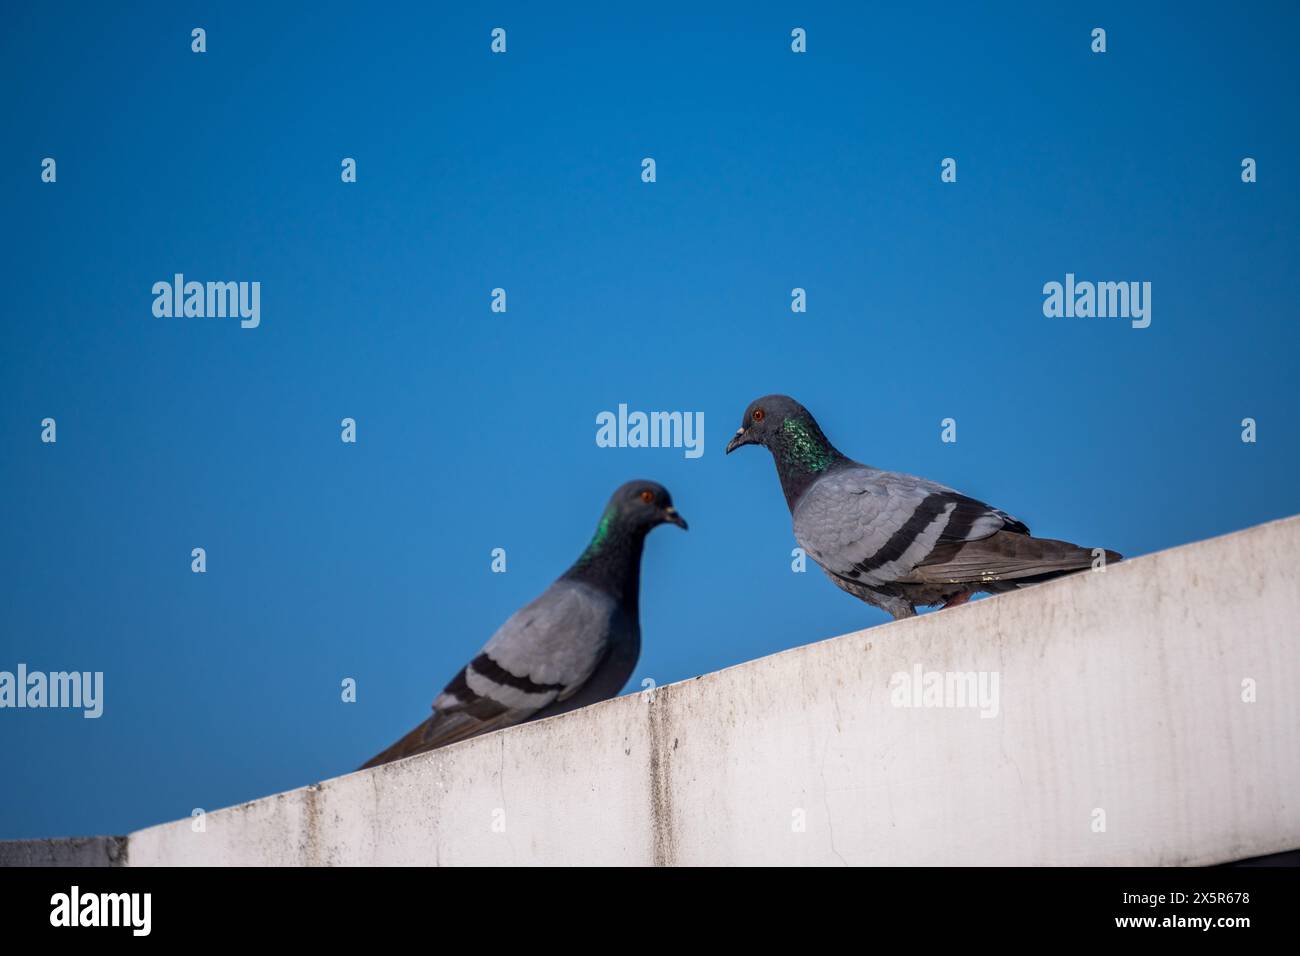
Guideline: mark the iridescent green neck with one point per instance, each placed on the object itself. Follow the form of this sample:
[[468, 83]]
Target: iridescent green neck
[[612, 561], [801, 453], [601, 537], [804, 445]]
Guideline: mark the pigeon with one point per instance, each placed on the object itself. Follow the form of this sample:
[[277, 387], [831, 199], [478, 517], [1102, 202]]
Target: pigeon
[[574, 645], [893, 540]]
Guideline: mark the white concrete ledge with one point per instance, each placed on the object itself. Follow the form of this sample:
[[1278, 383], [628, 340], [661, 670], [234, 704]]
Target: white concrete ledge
[[1120, 700]]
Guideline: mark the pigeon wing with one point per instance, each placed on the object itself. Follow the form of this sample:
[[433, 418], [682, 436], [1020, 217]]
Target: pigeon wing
[[545, 652], [874, 527]]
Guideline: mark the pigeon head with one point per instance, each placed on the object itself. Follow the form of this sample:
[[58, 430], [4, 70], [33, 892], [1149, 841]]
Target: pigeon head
[[771, 421], [788, 430], [638, 506], [612, 561]]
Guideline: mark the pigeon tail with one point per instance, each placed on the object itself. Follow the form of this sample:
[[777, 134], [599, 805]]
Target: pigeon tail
[[437, 731], [1004, 561]]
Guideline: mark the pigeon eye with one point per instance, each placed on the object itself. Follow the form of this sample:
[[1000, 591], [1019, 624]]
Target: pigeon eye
[[757, 416], [647, 496]]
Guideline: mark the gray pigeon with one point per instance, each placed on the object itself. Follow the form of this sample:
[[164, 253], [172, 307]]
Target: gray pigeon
[[894, 540], [574, 645]]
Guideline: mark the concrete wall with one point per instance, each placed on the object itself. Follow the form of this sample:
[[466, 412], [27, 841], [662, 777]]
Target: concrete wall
[[1119, 693], [70, 851]]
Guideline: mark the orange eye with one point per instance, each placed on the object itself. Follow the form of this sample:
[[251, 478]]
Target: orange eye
[[647, 496], [757, 416]]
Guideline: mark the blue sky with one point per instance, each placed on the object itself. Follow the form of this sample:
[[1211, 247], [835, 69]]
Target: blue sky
[[477, 430]]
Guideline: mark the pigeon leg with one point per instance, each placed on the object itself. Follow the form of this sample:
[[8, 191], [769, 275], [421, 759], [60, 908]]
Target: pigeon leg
[[895, 607], [958, 600]]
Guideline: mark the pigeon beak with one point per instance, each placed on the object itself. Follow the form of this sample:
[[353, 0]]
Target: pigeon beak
[[737, 440], [672, 517]]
